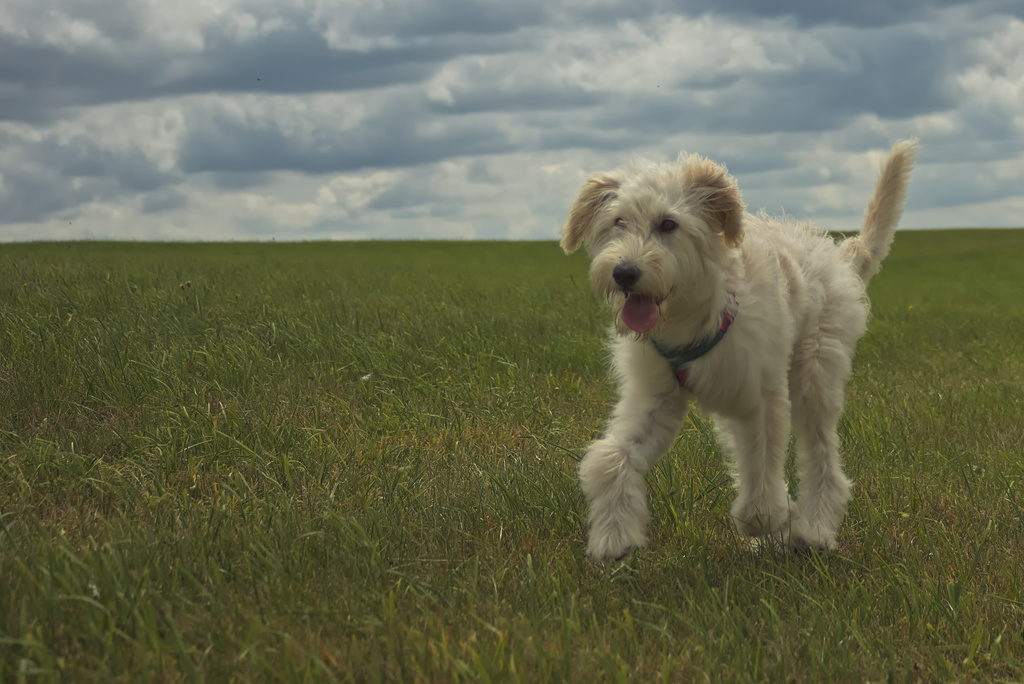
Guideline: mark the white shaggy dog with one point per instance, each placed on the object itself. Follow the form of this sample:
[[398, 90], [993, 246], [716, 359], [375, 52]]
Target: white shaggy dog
[[754, 318]]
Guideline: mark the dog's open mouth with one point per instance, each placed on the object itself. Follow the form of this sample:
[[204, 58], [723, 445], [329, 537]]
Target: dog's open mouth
[[640, 313]]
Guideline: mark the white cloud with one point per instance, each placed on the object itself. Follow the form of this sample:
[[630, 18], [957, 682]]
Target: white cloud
[[304, 119], [995, 81]]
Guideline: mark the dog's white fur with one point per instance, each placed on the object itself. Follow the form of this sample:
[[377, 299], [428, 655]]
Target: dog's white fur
[[783, 363]]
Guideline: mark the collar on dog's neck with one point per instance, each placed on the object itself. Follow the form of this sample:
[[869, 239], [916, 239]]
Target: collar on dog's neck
[[681, 357]]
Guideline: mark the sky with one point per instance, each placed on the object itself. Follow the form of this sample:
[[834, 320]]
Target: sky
[[481, 119]]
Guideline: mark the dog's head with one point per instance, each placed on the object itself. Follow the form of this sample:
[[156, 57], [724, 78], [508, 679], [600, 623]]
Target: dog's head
[[656, 234]]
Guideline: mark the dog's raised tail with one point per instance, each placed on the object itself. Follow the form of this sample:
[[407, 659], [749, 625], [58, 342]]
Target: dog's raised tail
[[867, 249]]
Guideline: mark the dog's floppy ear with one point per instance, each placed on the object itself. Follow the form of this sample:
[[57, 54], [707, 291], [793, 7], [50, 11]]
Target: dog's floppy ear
[[595, 193], [717, 198]]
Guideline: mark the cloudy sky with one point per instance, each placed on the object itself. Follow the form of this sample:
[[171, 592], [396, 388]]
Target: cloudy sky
[[352, 119]]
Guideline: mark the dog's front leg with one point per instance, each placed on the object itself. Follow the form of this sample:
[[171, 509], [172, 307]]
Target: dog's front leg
[[612, 471], [762, 505]]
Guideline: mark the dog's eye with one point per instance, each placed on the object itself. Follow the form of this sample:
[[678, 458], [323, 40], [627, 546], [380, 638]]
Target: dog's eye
[[619, 223], [667, 226]]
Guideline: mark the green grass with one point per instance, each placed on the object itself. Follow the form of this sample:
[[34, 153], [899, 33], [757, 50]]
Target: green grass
[[308, 462]]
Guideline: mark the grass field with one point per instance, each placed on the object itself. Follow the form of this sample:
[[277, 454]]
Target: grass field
[[309, 462]]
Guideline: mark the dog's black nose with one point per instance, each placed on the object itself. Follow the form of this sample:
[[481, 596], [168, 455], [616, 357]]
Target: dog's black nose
[[626, 275]]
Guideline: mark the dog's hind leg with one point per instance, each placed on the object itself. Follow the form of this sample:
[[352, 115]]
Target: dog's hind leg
[[612, 471], [821, 366]]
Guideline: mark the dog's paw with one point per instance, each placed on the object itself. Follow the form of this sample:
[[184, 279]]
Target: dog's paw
[[795, 534], [761, 518], [820, 519], [807, 536], [618, 525], [614, 544], [615, 491]]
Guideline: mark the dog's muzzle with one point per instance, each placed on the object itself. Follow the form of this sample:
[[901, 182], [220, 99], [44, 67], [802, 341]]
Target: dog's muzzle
[[626, 276]]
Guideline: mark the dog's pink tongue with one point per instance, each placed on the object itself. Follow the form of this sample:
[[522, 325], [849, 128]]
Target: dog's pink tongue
[[640, 313]]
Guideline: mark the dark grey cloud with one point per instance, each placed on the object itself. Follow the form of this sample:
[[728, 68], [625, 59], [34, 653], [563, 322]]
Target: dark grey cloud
[[947, 188], [478, 171], [862, 13], [894, 73], [579, 132], [747, 162], [261, 95], [434, 210], [38, 81], [41, 80], [42, 178], [238, 180], [415, 19], [163, 201], [82, 157], [297, 59], [403, 197], [120, 20], [973, 150], [487, 96], [225, 144], [29, 195]]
